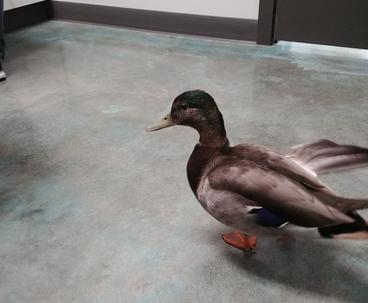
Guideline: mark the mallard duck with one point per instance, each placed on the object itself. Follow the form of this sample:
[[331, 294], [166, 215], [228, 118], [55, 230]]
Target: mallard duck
[[249, 184]]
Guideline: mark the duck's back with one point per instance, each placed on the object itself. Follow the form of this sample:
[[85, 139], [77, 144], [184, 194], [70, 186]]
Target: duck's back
[[252, 152], [204, 159]]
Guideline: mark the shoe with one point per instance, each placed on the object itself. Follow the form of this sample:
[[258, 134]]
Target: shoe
[[2, 73]]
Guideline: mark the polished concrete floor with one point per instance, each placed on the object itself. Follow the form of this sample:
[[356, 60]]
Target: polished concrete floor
[[93, 209]]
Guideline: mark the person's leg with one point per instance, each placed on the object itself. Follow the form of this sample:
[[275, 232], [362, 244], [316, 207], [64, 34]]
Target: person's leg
[[2, 41]]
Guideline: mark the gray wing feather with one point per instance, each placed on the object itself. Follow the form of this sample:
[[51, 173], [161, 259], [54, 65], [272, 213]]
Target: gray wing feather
[[324, 156], [277, 193], [280, 163]]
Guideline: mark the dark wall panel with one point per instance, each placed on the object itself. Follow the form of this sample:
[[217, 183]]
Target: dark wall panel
[[266, 22], [332, 22]]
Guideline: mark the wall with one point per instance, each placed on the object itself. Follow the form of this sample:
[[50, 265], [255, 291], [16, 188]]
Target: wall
[[244, 9], [9, 4]]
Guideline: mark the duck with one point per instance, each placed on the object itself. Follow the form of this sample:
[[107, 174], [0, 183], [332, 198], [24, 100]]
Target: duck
[[249, 185]]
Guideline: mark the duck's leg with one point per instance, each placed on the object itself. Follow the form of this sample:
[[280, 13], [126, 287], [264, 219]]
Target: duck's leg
[[239, 240], [286, 240]]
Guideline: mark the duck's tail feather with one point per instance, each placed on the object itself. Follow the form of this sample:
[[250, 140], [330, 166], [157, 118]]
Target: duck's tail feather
[[325, 156], [355, 230], [345, 231]]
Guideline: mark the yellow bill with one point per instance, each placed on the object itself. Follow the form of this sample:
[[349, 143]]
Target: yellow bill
[[165, 122]]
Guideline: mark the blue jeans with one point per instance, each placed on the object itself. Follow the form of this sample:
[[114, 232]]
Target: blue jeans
[[2, 41]]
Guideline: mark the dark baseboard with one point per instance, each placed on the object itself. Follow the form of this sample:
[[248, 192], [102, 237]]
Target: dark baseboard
[[220, 27], [27, 15]]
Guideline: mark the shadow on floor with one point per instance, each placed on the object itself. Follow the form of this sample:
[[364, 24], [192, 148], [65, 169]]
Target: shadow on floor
[[23, 161], [312, 266]]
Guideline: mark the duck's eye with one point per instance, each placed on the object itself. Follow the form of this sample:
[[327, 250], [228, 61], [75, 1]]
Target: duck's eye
[[183, 106]]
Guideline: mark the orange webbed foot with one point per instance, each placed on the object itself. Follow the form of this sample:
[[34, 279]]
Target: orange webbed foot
[[240, 241]]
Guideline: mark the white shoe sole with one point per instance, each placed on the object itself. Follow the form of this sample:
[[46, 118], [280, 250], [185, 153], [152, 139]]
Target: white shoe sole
[[2, 75]]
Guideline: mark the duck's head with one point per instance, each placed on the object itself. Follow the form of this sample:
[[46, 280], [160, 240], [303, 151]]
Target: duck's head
[[196, 109], [193, 108]]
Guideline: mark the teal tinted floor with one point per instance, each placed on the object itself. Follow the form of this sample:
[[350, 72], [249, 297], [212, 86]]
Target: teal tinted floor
[[93, 209]]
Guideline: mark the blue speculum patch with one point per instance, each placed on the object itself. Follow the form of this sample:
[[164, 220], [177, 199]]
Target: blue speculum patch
[[267, 218]]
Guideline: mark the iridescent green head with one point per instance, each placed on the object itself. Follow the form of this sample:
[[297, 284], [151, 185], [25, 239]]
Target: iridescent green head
[[196, 109]]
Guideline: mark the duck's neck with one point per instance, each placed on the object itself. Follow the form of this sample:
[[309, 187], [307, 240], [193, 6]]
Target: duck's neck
[[213, 136]]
